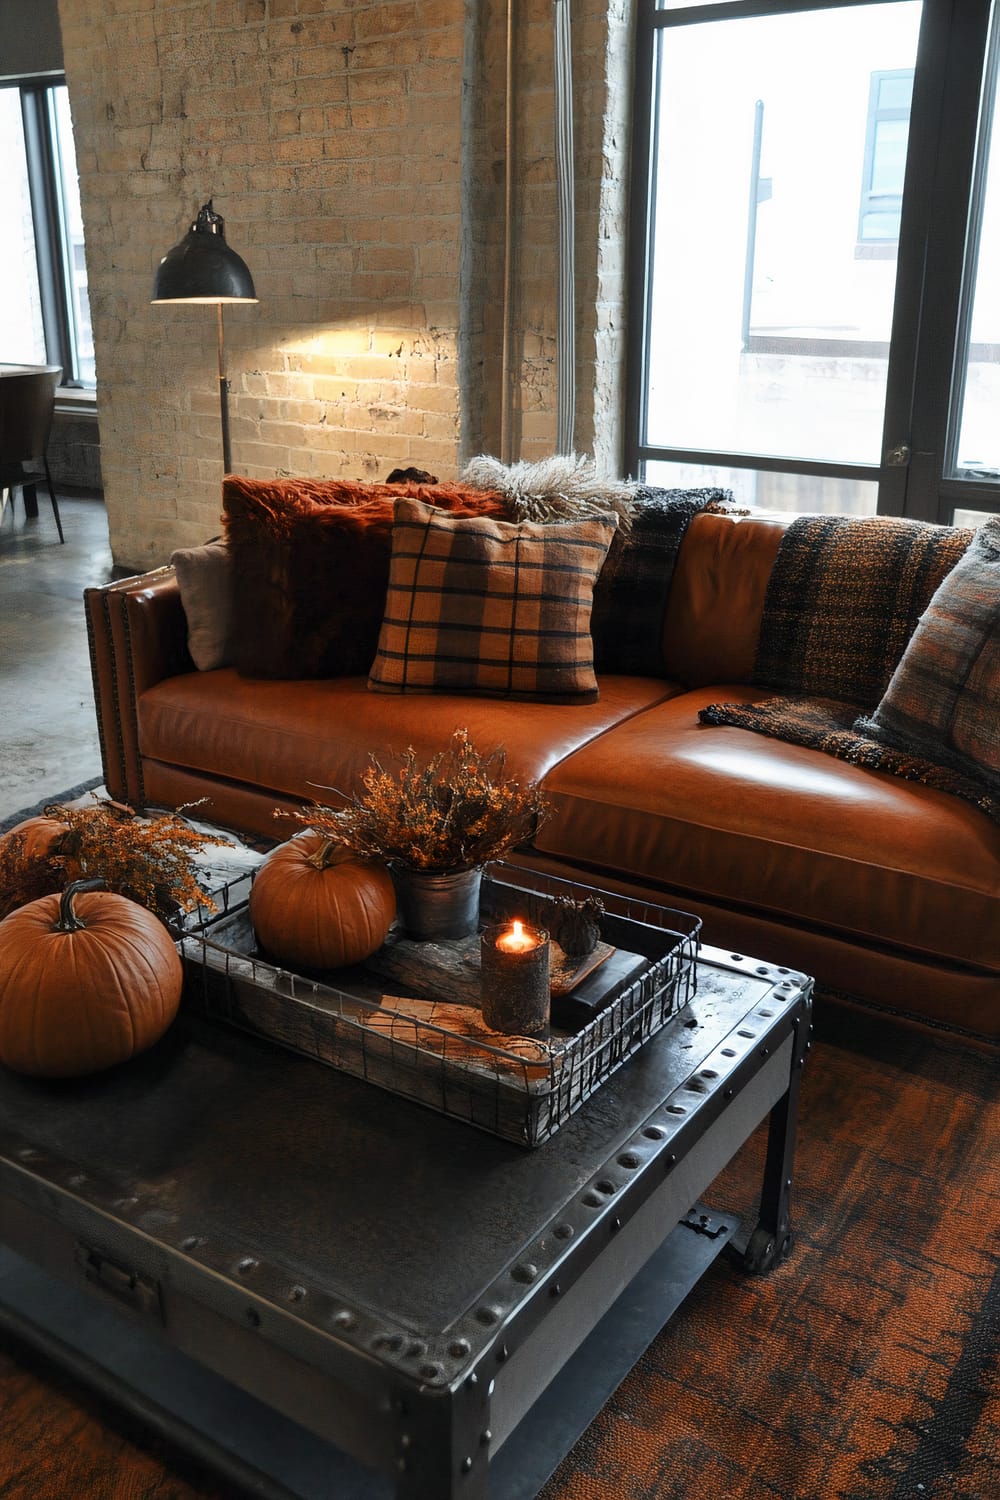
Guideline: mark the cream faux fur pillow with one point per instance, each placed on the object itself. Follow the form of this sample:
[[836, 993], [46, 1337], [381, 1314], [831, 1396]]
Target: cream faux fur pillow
[[566, 487]]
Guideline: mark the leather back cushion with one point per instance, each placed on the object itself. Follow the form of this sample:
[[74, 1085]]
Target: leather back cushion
[[311, 567], [712, 622]]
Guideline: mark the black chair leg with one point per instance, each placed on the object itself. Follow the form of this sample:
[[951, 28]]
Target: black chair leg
[[52, 497]]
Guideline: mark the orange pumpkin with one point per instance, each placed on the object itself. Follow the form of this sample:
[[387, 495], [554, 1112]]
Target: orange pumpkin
[[86, 979], [315, 905], [41, 836], [29, 867]]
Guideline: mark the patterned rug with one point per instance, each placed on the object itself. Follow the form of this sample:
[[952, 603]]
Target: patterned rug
[[866, 1368]]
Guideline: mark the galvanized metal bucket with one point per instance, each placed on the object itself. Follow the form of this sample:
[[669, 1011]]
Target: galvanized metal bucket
[[435, 907]]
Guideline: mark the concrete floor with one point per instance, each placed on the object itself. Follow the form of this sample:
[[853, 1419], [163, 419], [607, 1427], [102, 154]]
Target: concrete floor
[[48, 731]]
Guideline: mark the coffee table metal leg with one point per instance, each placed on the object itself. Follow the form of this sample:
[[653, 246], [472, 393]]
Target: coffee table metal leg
[[770, 1241], [444, 1443]]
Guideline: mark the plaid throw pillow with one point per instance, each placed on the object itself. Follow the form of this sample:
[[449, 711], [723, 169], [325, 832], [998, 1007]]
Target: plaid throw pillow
[[942, 701], [489, 607]]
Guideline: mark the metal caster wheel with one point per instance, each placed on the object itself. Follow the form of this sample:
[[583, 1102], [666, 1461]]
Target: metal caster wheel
[[765, 1251]]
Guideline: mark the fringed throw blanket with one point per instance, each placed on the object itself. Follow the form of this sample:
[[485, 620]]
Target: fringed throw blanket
[[843, 601]]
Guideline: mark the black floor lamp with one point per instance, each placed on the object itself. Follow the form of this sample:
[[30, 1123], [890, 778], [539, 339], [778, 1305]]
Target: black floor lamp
[[202, 268]]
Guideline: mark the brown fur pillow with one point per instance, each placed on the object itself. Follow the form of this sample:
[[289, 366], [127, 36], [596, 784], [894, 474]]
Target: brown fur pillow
[[311, 567]]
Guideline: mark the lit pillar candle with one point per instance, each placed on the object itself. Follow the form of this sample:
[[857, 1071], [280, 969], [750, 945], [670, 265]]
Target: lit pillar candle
[[514, 959]]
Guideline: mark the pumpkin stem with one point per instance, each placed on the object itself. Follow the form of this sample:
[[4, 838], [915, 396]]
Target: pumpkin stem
[[321, 858], [68, 919]]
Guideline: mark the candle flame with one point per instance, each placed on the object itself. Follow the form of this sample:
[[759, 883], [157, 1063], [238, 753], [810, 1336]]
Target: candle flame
[[516, 940]]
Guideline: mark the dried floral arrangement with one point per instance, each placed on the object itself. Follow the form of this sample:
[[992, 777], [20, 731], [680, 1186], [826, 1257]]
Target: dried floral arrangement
[[24, 877], [148, 859], [450, 813]]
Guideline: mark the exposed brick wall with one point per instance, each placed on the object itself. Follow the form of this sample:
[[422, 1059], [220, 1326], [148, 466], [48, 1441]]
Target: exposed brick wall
[[357, 155]]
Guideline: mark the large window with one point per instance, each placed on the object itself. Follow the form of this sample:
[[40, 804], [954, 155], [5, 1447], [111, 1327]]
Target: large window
[[45, 314], [809, 324]]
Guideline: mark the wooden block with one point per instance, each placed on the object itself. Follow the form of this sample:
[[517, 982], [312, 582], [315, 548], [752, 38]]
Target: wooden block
[[457, 1033]]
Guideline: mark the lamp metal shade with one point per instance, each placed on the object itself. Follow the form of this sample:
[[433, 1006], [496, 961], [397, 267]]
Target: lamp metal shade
[[202, 267]]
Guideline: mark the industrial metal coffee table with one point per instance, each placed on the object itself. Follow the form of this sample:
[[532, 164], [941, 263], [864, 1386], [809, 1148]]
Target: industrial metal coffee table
[[322, 1289]]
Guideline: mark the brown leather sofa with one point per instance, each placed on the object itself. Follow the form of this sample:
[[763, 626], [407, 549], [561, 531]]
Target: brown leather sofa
[[885, 890]]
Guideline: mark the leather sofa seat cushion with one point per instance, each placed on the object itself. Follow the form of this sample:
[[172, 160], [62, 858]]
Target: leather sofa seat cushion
[[304, 737], [803, 838]]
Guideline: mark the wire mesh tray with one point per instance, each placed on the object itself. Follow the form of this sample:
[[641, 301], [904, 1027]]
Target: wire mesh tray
[[519, 1089]]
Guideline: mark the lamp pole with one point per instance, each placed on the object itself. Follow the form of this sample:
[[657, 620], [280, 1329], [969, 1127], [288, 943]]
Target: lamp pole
[[227, 456]]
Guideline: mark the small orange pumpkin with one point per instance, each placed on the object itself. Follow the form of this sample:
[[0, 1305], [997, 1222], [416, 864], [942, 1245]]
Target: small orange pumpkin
[[40, 836], [315, 905], [87, 979]]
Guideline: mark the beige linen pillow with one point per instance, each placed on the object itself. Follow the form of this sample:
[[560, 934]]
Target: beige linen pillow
[[205, 580]]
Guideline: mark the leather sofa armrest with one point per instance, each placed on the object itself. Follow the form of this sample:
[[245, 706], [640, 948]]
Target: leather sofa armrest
[[137, 631]]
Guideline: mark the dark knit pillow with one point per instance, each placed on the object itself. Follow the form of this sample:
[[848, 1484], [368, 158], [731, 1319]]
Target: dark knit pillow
[[310, 568], [630, 600], [490, 607]]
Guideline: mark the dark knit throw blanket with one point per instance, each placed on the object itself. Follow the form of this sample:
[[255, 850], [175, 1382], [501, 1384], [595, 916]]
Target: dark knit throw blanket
[[630, 598], [843, 600]]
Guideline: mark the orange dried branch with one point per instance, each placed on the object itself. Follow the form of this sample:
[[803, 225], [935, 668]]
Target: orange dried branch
[[452, 812]]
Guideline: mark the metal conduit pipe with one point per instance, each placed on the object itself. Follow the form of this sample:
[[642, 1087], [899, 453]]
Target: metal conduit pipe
[[566, 201], [508, 244]]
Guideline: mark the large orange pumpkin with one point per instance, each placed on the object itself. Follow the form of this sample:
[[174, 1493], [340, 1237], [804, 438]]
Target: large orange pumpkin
[[86, 979], [315, 905]]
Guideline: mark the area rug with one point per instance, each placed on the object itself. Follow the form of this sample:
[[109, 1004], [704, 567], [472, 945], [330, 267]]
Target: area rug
[[865, 1368]]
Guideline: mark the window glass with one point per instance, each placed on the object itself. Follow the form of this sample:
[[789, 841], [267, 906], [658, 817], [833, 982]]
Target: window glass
[[74, 261], [972, 518], [22, 338], [799, 493], [885, 156], [977, 451], [768, 334]]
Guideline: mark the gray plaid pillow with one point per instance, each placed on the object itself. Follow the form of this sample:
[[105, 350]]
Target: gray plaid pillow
[[943, 700]]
